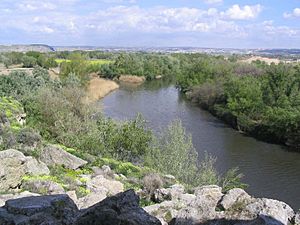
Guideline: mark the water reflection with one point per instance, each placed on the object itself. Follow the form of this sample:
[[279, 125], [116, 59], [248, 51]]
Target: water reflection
[[269, 169]]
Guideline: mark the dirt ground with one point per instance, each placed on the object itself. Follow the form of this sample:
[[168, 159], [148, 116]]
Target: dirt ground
[[264, 59]]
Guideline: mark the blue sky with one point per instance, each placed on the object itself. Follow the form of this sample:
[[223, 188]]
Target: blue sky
[[199, 23]]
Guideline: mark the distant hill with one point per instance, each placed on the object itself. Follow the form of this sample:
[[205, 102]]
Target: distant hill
[[26, 48]]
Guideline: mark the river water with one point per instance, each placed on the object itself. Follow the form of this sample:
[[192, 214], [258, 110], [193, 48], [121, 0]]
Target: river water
[[270, 170]]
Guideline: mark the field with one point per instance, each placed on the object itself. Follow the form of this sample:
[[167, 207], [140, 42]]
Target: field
[[90, 62]]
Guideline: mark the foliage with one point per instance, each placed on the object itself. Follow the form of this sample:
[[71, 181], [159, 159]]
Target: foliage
[[76, 65], [173, 153], [260, 99], [232, 179], [127, 141]]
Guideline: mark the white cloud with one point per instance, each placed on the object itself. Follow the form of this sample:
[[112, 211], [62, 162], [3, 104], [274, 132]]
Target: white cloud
[[213, 1], [246, 12], [294, 13]]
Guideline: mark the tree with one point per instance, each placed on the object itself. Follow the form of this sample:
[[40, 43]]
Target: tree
[[29, 61], [77, 66]]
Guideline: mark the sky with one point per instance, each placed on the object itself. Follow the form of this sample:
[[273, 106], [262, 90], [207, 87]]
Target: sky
[[156, 23]]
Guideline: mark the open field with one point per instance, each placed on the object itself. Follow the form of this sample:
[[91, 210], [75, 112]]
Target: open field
[[90, 62]]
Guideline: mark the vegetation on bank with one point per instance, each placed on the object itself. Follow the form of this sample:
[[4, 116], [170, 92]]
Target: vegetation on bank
[[258, 99], [56, 113]]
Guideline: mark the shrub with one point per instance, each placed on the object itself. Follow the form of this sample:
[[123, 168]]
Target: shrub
[[28, 136], [152, 182], [174, 153]]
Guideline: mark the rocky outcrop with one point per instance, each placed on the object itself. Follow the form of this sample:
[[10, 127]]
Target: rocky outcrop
[[54, 155], [43, 187], [99, 183], [208, 205], [122, 209], [14, 165], [5, 197], [51, 209]]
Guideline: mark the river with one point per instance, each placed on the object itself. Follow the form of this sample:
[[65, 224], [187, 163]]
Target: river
[[270, 170]]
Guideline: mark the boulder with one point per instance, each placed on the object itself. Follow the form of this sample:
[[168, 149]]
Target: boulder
[[52, 209], [104, 170], [54, 155], [233, 196], [297, 218], [34, 167], [200, 208], [98, 183], [120, 209], [14, 165], [91, 199], [165, 211], [212, 192], [43, 187], [272, 208], [4, 198]]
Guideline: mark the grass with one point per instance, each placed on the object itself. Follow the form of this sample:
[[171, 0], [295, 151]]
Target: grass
[[90, 62]]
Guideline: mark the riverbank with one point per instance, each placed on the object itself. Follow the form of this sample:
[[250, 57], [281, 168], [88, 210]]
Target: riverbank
[[96, 193], [231, 148], [99, 88], [131, 79]]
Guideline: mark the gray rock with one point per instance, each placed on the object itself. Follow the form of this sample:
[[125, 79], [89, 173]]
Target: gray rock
[[297, 218], [43, 187], [14, 165], [199, 208], [120, 209], [54, 209], [272, 208], [53, 155], [4, 198], [98, 183], [91, 199], [169, 179], [233, 196], [34, 167], [213, 192]]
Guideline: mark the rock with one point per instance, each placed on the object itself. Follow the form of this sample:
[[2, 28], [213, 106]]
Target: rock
[[297, 218], [176, 191], [43, 187], [233, 196], [164, 211], [72, 195], [260, 220], [273, 208], [99, 183], [161, 195], [52, 209], [32, 166], [4, 198], [169, 179], [11, 169], [91, 199], [201, 207], [213, 192], [14, 165], [105, 171], [53, 155], [120, 209]]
